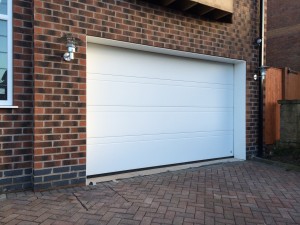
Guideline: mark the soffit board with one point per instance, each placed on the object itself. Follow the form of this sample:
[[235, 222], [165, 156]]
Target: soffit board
[[225, 5]]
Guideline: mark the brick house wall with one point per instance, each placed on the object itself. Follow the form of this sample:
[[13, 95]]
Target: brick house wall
[[44, 140], [283, 31], [16, 125]]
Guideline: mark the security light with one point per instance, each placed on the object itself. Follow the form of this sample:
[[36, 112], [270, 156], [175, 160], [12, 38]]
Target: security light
[[68, 56], [258, 41], [71, 43], [262, 72]]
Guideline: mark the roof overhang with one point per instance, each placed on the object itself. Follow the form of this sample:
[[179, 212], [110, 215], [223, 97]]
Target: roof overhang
[[217, 10]]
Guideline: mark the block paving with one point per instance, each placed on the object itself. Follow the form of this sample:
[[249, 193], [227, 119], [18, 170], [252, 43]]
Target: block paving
[[232, 193]]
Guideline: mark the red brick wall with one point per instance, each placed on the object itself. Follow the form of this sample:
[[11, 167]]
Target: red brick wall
[[59, 98], [283, 45], [59, 87], [16, 124]]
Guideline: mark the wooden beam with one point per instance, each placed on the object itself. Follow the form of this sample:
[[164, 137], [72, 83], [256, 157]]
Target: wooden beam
[[167, 2], [191, 5], [183, 5], [218, 14], [202, 10]]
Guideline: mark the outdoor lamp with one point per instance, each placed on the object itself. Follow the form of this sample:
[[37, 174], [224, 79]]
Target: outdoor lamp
[[262, 72], [71, 43], [71, 49], [258, 41]]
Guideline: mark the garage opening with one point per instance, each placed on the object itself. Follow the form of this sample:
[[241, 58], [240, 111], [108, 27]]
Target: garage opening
[[147, 109]]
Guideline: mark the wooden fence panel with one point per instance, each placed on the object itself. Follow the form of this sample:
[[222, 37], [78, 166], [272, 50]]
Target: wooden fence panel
[[291, 87], [279, 85], [273, 93]]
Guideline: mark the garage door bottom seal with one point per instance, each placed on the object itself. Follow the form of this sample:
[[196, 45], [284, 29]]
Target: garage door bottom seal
[[155, 170]]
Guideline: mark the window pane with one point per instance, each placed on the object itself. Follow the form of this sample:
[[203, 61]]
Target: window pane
[[3, 7], [3, 44], [3, 51], [3, 28], [3, 60], [3, 36], [3, 84]]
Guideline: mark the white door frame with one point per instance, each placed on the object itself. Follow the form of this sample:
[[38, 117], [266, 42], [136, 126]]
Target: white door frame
[[239, 111]]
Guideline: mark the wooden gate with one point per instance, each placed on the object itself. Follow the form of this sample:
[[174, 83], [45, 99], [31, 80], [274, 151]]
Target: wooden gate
[[280, 84]]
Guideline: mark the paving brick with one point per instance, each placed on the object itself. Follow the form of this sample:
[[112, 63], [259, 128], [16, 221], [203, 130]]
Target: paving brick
[[114, 221], [43, 217], [13, 222], [146, 220], [28, 223]]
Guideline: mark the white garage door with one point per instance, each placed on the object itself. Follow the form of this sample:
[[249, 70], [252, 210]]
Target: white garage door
[[148, 109]]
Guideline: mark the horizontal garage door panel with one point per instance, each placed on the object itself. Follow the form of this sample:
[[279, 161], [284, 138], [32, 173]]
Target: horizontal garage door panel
[[120, 123], [147, 109], [154, 92], [114, 59], [149, 153]]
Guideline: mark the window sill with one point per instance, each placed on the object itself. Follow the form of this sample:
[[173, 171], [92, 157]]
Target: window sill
[[8, 107]]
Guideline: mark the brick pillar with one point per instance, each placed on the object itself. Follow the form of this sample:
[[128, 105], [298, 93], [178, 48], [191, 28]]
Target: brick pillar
[[59, 100]]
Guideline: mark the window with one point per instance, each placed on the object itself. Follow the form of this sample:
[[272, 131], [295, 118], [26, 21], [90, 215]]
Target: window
[[5, 53]]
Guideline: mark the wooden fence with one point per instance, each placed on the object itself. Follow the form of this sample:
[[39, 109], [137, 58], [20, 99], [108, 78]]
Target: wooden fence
[[280, 84]]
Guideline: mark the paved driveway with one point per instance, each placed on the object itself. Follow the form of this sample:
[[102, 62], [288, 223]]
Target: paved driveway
[[232, 193]]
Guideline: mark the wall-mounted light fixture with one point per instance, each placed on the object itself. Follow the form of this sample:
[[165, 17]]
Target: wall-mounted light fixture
[[71, 43], [262, 72], [71, 49], [258, 42]]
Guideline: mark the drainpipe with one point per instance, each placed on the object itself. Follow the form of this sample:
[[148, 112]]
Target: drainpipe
[[262, 72], [262, 32]]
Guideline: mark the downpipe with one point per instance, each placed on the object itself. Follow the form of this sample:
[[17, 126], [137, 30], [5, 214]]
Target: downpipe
[[262, 73]]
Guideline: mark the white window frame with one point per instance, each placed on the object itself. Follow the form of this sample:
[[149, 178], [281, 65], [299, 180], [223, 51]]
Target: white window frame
[[9, 102]]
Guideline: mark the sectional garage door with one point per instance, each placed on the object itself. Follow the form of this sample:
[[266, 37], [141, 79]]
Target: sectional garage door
[[147, 109]]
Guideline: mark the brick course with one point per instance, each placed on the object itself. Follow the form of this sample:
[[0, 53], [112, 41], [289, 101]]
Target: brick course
[[58, 113]]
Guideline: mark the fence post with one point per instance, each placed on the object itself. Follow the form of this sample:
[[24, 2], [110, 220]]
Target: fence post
[[284, 82]]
